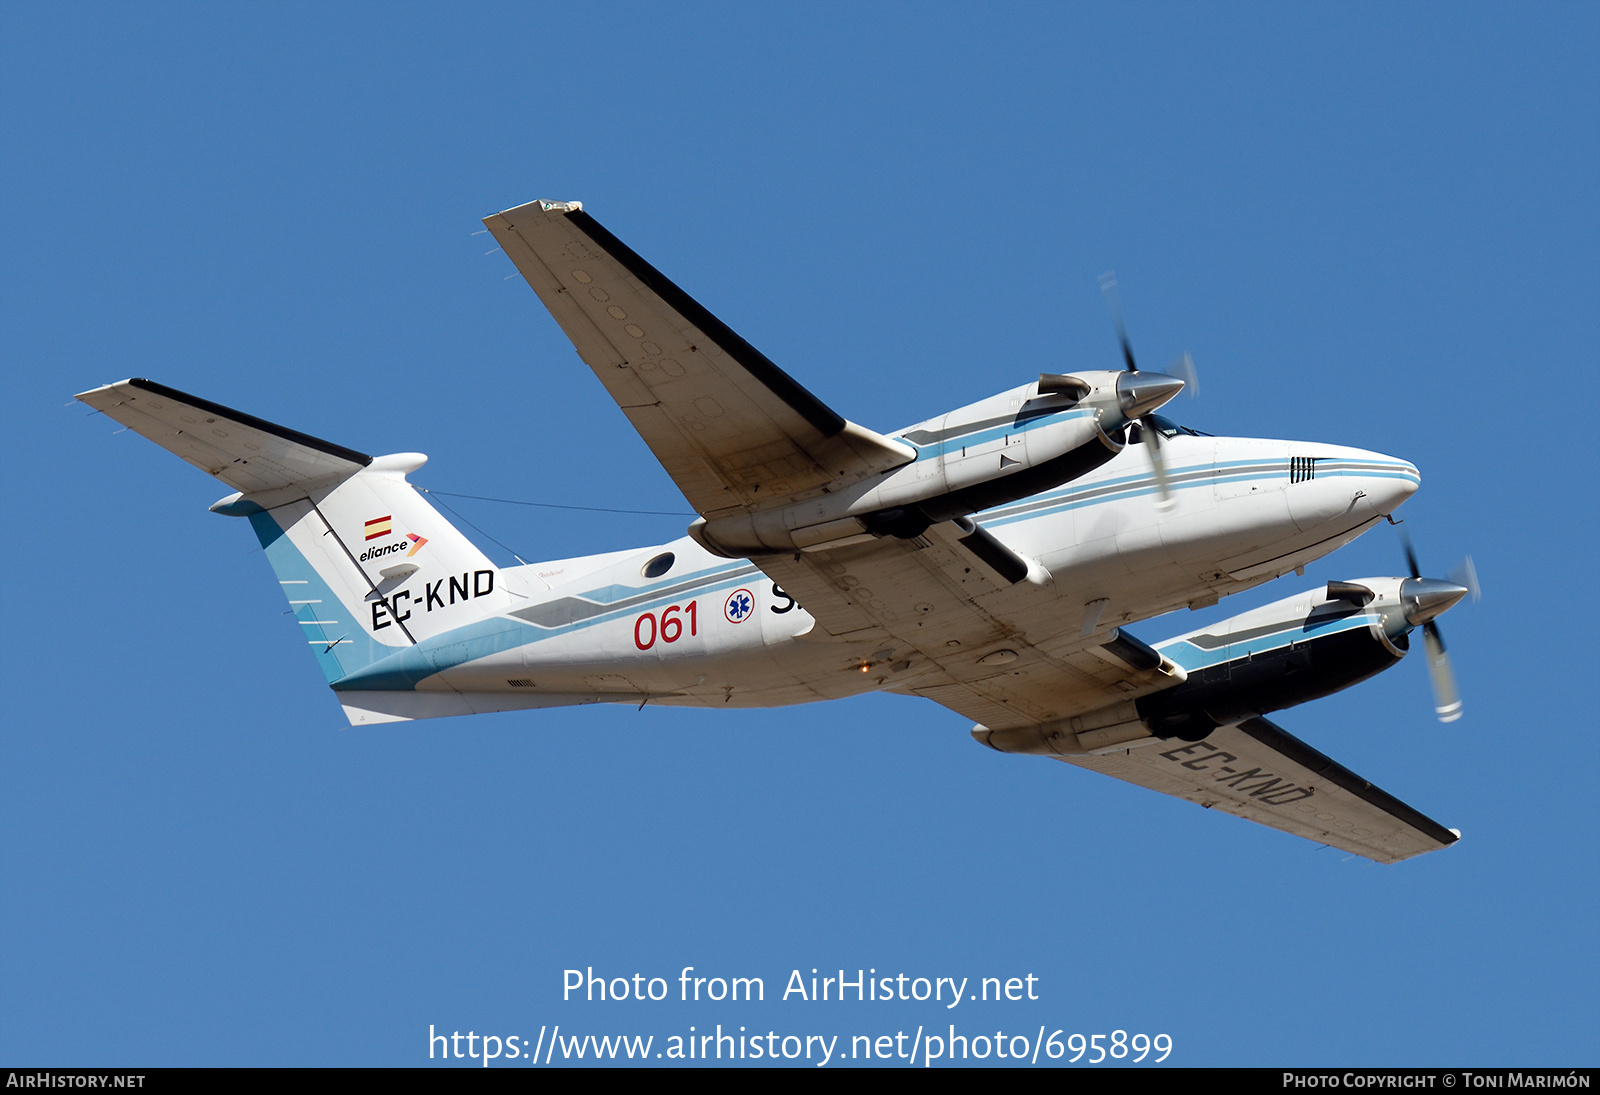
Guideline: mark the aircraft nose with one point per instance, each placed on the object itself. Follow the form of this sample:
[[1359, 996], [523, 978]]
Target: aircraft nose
[[1391, 481], [1385, 481], [1425, 598], [1336, 484]]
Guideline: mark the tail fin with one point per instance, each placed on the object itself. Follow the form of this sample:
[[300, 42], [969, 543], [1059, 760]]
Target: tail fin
[[367, 564]]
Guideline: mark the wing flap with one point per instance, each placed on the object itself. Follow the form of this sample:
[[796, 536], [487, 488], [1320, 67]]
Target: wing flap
[[1260, 772], [247, 453], [1002, 650]]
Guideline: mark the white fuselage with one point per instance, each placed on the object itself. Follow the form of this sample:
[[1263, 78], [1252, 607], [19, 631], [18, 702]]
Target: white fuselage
[[1243, 512]]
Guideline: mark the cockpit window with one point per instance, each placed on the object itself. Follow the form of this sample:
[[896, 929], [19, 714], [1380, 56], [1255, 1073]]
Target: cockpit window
[[1169, 429]]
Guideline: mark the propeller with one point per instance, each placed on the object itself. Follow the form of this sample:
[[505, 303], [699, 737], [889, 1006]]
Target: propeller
[[1464, 574], [1142, 393], [1422, 600], [1183, 368]]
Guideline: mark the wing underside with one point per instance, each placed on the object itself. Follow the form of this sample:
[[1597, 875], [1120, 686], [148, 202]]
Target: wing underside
[[731, 428], [1260, 772], [248, 453]]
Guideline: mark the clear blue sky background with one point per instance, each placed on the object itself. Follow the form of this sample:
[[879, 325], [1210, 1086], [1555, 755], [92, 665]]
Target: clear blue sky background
[[1371, 224]]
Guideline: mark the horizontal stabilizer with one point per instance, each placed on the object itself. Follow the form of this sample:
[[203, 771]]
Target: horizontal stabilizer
[[243, 451]]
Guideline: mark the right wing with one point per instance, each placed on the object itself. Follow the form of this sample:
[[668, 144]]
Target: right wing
[[947, 613], [732, 429]]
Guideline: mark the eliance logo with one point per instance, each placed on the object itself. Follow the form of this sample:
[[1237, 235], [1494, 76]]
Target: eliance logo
[[381, 526], [381, 550]]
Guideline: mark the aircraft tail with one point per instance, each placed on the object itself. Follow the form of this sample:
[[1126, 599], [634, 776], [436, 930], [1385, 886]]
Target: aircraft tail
[[368, 566]]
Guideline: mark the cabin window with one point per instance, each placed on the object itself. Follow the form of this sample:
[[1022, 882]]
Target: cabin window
[[658, 566]]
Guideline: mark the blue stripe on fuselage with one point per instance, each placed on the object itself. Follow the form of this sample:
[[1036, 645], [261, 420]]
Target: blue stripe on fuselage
[[403, 669]]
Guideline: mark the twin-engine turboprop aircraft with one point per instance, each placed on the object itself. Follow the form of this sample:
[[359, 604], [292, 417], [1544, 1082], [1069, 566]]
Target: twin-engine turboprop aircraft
[[985, 559]]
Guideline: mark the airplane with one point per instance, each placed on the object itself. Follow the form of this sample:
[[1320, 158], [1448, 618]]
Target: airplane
[[987, 559]]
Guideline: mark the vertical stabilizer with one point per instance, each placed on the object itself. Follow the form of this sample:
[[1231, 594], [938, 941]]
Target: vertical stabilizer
[[369, 566]]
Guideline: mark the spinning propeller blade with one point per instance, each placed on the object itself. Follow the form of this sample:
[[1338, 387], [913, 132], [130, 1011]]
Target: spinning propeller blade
[[1108, 288], [1424, 599], [1446, 697], [1142, 393], [1183, 368], [1465, 574], [1158, 463]]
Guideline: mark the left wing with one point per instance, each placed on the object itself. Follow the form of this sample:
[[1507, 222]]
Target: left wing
[[1260, 772]]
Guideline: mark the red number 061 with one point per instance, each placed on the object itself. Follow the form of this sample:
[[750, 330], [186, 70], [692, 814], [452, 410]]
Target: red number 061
[[669, 629]]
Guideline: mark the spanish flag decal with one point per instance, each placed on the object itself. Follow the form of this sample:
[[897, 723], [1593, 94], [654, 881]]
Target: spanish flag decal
[[378, 526]]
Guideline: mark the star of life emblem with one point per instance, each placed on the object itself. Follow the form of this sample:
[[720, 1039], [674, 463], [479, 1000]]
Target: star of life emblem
[[739, 605]]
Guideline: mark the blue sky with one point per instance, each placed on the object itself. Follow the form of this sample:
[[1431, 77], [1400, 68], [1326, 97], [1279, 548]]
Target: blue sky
[[1372, 225]]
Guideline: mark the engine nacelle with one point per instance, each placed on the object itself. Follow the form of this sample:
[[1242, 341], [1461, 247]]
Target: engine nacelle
[[1282, 654], [1000, 449]]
